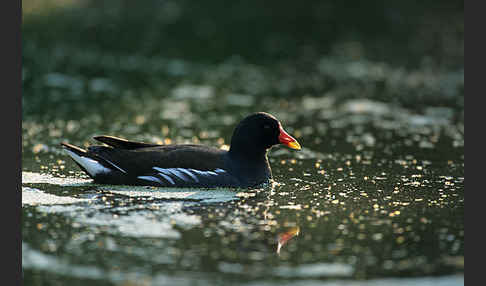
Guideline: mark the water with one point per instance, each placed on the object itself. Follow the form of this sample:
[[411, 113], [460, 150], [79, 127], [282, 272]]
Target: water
[[375, 196]]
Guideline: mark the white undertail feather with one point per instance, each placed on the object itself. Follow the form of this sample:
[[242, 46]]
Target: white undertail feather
[[92, 167]]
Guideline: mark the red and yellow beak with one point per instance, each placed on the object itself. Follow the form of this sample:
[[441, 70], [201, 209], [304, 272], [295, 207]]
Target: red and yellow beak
[[288, 140]]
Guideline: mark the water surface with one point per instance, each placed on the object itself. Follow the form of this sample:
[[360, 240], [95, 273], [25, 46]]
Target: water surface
[[375, 197]]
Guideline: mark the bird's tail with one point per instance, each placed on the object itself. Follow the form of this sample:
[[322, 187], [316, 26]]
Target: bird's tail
[[90, 163]]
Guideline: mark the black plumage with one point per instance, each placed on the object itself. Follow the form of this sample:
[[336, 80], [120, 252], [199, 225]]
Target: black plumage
[[187, 165]]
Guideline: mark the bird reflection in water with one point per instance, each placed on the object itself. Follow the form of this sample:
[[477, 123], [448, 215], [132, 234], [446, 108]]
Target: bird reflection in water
[[284, 237]]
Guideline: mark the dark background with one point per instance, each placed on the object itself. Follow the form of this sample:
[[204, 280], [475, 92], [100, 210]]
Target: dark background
[[140, 46], [401, 32]]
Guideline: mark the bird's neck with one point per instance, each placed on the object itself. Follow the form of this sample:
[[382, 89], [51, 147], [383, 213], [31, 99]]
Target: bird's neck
[[253, 167], [245, 154]]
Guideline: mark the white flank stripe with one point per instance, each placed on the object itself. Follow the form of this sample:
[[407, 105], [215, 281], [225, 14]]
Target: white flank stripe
[[167, 178], [92, 167], [186, 174], [205, 173], [178, 174], [150, 178], [201, 173], [165, 171], [189, 173]]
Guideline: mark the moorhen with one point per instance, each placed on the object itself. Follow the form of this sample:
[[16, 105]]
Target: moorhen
[[245, 165]]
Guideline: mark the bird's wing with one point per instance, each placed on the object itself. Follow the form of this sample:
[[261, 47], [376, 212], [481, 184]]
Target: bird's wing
[[123, 143]]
